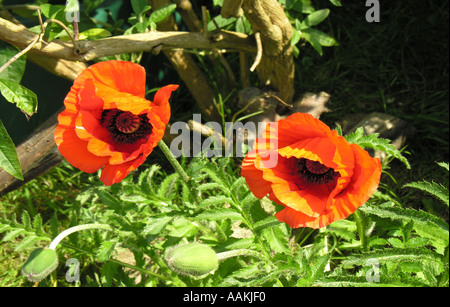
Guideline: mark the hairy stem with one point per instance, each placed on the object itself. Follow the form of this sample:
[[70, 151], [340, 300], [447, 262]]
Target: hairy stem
[[178, 168]]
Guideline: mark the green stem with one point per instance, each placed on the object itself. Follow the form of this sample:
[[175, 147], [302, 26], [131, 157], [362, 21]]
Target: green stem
[[176, 165], [360, 225], [240, 252], [71, 230], [124, 264]]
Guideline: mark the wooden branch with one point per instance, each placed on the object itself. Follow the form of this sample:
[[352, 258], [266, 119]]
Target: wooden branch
[[276, 68], [38, 148], [89, 50], [185, 65]]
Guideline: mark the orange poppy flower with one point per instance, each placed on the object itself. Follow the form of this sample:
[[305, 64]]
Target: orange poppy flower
[[318, 177], [107, 121]]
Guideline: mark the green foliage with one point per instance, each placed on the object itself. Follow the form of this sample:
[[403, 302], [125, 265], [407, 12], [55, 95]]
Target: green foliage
[[8, 155], [374, 142], [389, 242], [15, 93], [304, 17]]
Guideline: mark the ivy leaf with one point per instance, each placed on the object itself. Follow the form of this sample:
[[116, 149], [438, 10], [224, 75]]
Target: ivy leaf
[[25, 99], [8, 155]]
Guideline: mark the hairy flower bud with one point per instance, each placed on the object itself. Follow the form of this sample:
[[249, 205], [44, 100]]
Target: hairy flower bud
[[192, 259], [40, 264]]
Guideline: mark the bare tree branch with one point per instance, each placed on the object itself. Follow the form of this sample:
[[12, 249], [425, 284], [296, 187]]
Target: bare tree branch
[[90, 50]]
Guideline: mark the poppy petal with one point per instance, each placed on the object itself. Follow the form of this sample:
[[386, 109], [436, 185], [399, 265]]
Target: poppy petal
[[121, 76], [75, 150]]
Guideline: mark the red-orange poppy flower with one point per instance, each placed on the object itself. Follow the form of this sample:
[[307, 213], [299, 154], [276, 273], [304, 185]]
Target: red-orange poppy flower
[[315, 174], [107, 121]]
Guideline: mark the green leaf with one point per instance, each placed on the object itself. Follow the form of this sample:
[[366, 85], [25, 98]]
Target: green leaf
[[51, 11], [433, 188], [312, 40], [336, 2], [220, 214], [26, 221], [314, 18], [105, 250], [276, 238], [162, 13], [37, 225], [156, 225], [8, 155], [183, 228], [94, 33], [443, 164], [25, 99], [393, 255], [214, 200], [376, 143], [320, 37], [139, 6], [15, 70]]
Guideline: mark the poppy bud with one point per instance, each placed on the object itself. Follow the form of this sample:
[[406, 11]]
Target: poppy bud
[[40, 264], [192, 259]]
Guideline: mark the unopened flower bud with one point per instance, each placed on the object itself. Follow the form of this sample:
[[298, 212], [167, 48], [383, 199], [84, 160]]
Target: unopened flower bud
[[192, 259], [40, 264]]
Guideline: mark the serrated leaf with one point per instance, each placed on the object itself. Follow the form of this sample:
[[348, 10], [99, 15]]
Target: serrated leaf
[[393, 255], [182, 227], [376, 143], [443, 164], [37, 225], [433, 188], [167, 186], [8, 155], [105, 250], [15, 93], [26, 242], [155, 225], [277, 239], [220, 214], [387, 210], [215, 200], [13, 234], [265, 223], [108, 199], [26, 221]]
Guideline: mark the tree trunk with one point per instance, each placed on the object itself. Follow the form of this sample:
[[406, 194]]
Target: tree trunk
[[276, 68]]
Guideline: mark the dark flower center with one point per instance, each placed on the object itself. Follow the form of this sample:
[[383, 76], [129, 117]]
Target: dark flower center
[[127, 122], [314, 171], [125, 127]]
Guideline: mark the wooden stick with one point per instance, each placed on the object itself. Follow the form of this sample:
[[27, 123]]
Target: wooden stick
[[90, 50]]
